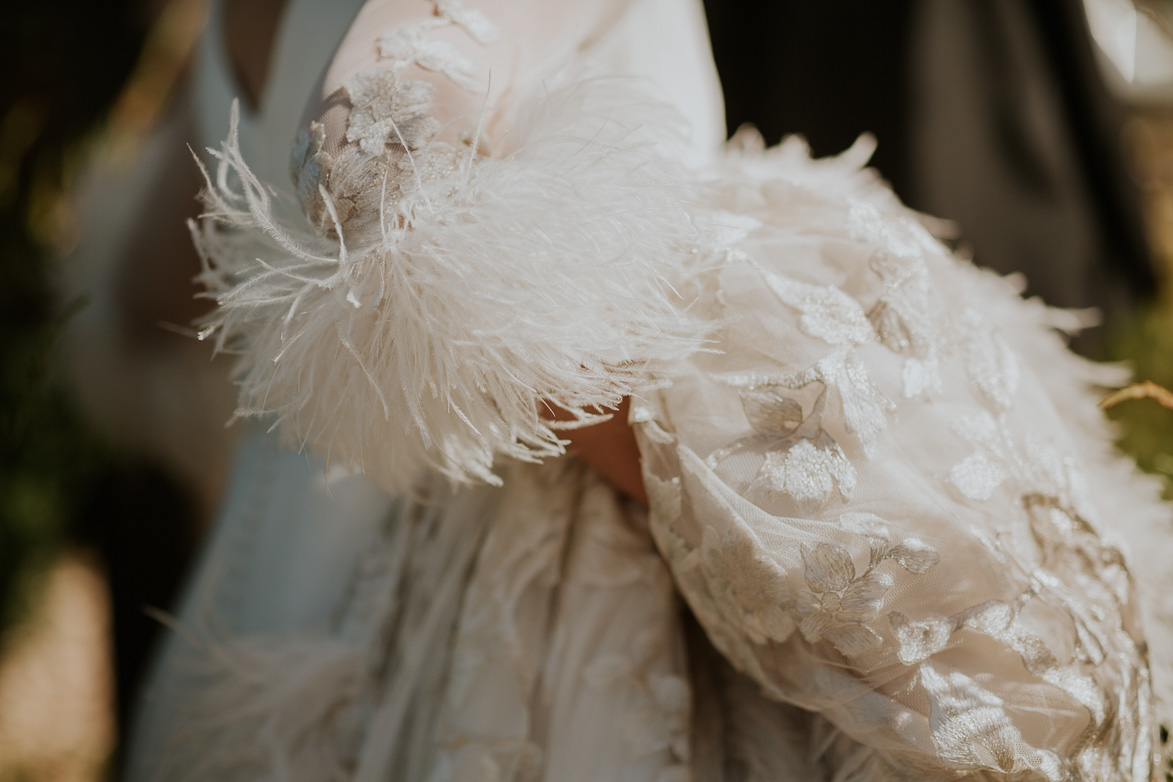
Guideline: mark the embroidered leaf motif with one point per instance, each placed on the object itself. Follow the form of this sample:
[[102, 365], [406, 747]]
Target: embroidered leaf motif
[[827, 312], [906, 316], [970, 728], [979, 474], [407, 45], [802, 460], [897, 234], [991, 364], [914, 555], [768, 412], [917, 641], [864, 407]]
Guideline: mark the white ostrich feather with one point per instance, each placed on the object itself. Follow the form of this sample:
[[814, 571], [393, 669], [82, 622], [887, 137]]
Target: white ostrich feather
[[273, 710], [486, 286]]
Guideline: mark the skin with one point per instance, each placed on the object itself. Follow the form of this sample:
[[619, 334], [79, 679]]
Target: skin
[[611, 449]]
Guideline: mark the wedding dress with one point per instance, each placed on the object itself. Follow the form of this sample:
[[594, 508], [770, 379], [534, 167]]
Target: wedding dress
[[887, 537]]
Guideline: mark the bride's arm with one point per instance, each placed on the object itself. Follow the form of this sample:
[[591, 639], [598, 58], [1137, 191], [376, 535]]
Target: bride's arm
[[480, 239], [611, 449], [536, 31]]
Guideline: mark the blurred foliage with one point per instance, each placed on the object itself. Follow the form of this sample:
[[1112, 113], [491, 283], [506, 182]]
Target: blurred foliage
[[1145, 341], [64, 63], [1144, 338]]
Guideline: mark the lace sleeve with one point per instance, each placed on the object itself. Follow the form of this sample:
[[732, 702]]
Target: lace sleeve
[[455, 248], [872, 496]]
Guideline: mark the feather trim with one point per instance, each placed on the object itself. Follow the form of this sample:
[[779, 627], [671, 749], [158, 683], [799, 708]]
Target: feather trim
[[273, 710], [491, 285]]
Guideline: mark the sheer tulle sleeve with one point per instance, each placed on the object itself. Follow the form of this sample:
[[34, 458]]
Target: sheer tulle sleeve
[[871, 494], [460, 241]]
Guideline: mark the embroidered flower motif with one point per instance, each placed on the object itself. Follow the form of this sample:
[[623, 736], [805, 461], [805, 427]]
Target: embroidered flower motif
[[906, 320], [895, 235], [833, 316], [827, 312], [386, 110], [809, 471], [991, 364], [918, 641], [861, 406], [838, 602], [983, 471], [408, 45], [802, 460], [971, 729], [744, 580]]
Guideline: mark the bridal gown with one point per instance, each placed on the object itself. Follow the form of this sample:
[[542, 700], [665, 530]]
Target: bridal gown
[[887, 535]]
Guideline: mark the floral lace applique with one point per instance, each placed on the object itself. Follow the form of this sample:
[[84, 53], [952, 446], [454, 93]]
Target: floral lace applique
[[1037, 466], [827, 312], [862, 407], [1084, 583], [802, 459], [837, 602], [409, 45], [906, 316], [972, 731], [906, 320], [991, 363], [836, 318], [983, 471], [695, 585], [388, 112], [742, 577], [900, 236], [742, 585], [387, 109]]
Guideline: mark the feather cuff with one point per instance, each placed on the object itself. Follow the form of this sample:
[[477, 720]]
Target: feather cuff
[[431, 332]]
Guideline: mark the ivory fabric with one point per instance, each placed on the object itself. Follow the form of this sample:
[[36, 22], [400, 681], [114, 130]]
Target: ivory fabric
[[887, 535]]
